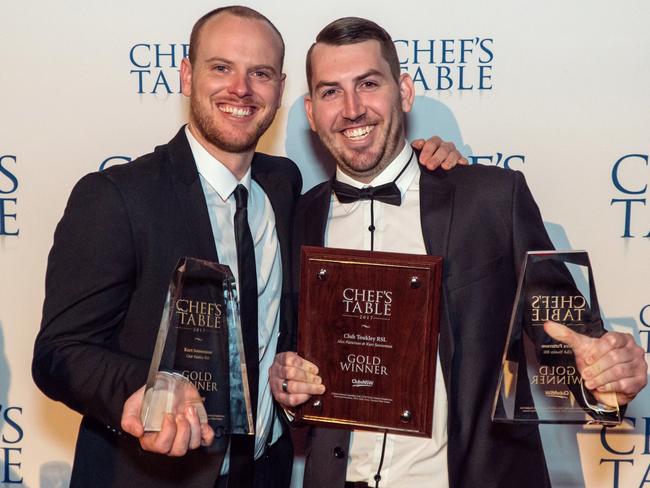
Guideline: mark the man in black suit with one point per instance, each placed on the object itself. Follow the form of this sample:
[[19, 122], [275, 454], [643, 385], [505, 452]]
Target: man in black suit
[[482, 220], [121, 236]]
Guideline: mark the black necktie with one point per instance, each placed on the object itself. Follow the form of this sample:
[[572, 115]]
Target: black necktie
[[387, 193], [242, 447]]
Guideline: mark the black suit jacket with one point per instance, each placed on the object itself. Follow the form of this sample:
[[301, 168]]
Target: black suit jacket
[[114, 250], [482, 220]]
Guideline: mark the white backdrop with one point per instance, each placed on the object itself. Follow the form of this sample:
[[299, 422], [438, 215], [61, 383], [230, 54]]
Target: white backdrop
[[556, 89]]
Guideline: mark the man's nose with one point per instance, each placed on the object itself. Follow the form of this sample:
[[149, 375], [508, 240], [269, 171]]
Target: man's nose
[[240, 85], [353, 106]]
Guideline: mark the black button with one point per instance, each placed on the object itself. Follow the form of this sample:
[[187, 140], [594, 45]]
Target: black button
[[371, 228], [339, 452]]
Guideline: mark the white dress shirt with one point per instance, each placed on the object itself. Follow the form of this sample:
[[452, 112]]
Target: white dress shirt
[[409, 462], [218, 186]]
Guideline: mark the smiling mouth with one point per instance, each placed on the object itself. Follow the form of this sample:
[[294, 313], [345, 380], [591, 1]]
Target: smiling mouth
[[235, 111], [358, 133]]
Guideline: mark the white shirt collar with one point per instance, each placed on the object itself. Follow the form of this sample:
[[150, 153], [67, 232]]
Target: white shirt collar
[[213, 171], [390, 172]]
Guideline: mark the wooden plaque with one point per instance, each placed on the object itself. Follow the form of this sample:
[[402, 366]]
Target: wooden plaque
[[369, 321]]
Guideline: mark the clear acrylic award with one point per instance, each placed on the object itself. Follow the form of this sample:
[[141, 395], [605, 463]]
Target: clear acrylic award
[[199, 354], [539, 381]]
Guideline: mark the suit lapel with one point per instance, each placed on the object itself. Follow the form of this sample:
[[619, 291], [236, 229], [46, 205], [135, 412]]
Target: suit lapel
[[436, 208], [191, 199], [317, 223]]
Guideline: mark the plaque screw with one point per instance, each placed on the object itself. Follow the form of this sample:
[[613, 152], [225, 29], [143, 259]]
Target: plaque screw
[[415, 282], [322, 274], [406, 416], [317, 404]]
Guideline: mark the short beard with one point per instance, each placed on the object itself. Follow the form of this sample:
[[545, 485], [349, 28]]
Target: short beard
[[373, 167], [379, 163], [216, 137]]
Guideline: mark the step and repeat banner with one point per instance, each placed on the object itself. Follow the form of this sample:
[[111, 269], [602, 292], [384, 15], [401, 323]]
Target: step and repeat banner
[[558, 90]]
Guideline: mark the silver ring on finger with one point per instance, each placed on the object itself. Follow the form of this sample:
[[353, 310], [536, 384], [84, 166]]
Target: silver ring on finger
[[285, 386]]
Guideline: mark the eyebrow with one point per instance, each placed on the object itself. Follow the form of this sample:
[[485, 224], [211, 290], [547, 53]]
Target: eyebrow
[[252, 68], [370, 72], [217, 58]]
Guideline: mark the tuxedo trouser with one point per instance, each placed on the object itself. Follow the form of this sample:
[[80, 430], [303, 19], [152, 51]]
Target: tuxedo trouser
[[273, 468]]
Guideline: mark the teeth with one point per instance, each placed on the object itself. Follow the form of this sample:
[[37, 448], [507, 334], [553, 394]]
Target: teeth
[[358, 132], [236, 111]]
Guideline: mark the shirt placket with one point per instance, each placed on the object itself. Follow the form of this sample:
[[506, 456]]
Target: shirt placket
[[368, 221]]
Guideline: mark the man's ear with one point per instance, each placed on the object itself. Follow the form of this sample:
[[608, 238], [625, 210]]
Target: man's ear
[[186, 77], [308, 111], [283, 77], [406, 92]]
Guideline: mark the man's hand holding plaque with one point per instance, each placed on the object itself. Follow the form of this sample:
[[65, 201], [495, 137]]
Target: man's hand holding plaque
[[612, 367], [294, 380]]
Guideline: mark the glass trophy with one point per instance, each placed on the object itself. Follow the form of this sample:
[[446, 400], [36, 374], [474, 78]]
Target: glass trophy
[[199, 354], [539, 381]]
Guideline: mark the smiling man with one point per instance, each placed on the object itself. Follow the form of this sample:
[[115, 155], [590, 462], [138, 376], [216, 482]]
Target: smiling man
[[481, 220], [119, 240], [361, 123], [114, 250]]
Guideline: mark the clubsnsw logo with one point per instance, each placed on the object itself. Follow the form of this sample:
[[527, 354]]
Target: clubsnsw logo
[[362, 383], [448, 64], [561, 394], [155, 68], [630, 177]]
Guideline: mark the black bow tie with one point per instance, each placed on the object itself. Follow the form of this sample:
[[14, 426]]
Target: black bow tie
[[386, 193]]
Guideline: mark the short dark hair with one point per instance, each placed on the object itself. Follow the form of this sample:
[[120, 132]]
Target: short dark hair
[[237, 11], [352, 30]]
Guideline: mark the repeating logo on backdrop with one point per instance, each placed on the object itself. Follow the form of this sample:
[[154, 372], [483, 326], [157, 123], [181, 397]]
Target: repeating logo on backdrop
[[503, 160], [155, 68], [624, 452], [644, 328], [11, 425], [113, 161], [622, 455], [448, 64], [11, 437], [435, 64], [630, 177], [8, 196]]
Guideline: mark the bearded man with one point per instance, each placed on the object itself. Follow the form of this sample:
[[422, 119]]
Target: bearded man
[[121, 236]]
